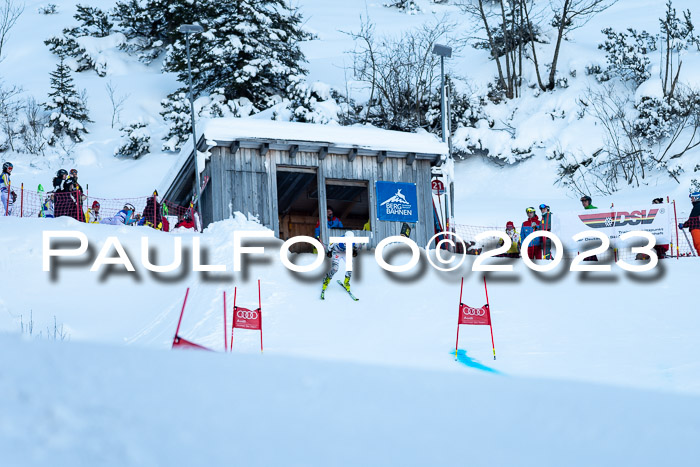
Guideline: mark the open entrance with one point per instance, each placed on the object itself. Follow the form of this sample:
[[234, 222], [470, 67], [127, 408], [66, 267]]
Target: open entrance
[[349, 200], [297, 200]]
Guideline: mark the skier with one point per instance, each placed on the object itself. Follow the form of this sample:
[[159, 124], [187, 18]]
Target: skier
[[546, 224], [337, 252], [693, 222], [514, 250], [7, 196], [122, 217], [92, 216], [586, 202], [534, 251]]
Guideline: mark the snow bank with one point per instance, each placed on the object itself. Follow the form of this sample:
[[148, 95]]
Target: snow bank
[[86, 405]]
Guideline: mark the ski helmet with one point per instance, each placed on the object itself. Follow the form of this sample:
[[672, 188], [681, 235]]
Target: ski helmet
[[7, 166], [543, 206], [586, 198], [73, 172], [510, 225], [95, 205], [61, 173], [349, 233], [695, 196], [129, 207], [529, 210]]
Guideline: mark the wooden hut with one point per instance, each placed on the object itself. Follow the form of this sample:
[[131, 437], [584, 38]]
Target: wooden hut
[[288, 174]]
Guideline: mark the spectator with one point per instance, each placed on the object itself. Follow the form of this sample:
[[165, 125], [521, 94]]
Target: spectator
[[514, 250], [693, 222], [74, 202], [93, 214], [546, 224], [187, 222], [7, 197], [152, 212], [586, 202], [61, 197], [46, 210], [532, 224], [333, 223], [122, 217]]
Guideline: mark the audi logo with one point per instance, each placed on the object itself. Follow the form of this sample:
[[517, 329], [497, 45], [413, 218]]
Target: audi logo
[[247, 314], [473, 311]]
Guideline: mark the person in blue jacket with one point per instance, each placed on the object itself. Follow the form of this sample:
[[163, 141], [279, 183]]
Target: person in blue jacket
[[333, 223]]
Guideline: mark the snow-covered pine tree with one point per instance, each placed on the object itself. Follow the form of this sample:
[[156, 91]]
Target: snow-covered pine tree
[[152, 25], [249, 52], [93, 22], [249, 49], [68, 113], [136, 140]]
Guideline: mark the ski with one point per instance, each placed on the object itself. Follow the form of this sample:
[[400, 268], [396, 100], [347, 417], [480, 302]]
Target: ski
[[323, 294], [349, 293]]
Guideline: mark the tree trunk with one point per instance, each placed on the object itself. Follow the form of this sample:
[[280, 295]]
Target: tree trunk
[[492, 44], [560, 36], [532, 36]]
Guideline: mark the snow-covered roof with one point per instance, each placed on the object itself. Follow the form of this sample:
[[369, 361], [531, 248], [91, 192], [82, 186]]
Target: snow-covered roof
[[361, 137], [255, 132]]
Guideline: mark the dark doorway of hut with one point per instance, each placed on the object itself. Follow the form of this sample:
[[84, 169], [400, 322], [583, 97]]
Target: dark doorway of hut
[[297, 200]]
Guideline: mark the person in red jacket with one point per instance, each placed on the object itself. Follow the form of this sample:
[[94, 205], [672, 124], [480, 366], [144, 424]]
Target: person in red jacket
[[534, 251], [187, 222]]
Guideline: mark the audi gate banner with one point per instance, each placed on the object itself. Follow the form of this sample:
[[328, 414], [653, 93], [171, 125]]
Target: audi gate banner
[[477, 316], [613, 222], [244, 318]]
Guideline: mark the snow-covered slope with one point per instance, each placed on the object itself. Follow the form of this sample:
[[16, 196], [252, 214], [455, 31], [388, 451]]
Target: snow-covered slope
[[87, 405]]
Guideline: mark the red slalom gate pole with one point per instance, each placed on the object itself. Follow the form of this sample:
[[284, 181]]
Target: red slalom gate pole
[[225, 336], [260, 308], [675, 216], [233, 318], [21, 200], [490, 326], [177, 331], [461, 288]]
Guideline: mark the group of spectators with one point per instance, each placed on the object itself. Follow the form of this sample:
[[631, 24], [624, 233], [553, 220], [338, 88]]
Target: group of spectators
[[539, 247], [68, 196]]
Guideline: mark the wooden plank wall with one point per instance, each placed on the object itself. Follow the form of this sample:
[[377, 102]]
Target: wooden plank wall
[[248, 182]]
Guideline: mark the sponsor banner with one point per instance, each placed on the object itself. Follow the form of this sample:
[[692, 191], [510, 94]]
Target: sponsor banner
[[397, 202], [614, 222], [469, 315], [244, 318]]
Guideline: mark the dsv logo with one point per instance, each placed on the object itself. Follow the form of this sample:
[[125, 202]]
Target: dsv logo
[[247, 314]]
